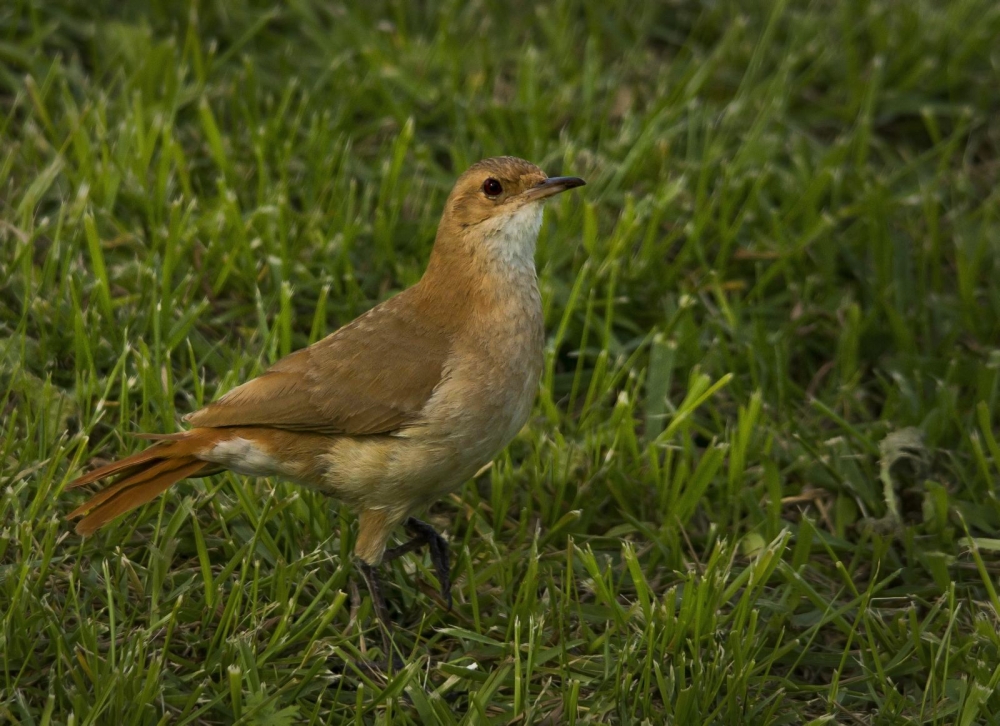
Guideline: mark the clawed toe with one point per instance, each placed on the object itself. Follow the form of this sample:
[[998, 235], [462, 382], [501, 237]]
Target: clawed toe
[[421, 534], [439, 558]]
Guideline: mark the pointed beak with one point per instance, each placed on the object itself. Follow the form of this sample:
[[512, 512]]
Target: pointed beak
[[549, 187]]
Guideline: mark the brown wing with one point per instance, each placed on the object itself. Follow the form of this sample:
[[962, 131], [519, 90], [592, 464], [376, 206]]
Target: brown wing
[[371, 376]]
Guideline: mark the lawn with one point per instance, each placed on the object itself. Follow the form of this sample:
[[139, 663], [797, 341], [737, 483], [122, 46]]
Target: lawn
[[759, 485]]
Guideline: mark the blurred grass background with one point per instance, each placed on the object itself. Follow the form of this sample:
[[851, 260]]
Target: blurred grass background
[[759, 485]]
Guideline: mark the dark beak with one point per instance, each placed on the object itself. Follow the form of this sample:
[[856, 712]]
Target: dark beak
[[552, 185]]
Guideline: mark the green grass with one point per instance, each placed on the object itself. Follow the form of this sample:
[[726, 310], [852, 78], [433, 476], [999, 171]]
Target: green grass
[[760, 482]]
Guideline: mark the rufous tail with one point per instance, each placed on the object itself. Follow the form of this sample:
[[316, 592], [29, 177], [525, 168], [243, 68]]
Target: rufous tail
[[144, 475]]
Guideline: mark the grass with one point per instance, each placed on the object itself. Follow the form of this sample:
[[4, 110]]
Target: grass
[[759, 485]]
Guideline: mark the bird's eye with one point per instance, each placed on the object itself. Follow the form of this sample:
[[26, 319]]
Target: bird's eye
[[492, 188]]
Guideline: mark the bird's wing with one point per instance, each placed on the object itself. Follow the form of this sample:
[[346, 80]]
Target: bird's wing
[[372, 376]]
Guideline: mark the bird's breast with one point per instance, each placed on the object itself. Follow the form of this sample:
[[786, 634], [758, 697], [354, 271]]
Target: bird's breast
[[490, 380]]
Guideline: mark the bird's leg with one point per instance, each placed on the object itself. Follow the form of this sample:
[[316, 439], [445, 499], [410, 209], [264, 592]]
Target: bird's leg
[[370, 573], [422, 533]]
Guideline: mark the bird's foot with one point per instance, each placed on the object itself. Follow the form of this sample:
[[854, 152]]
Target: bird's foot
[[422, 533]]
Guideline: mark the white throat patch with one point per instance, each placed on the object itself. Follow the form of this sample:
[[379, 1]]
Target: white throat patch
[[510, 239]]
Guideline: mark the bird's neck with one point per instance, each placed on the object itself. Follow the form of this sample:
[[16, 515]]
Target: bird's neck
[[489, 265]]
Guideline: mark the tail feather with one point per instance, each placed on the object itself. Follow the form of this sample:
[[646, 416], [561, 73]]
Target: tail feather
[[179, 436], [122, 466], [144, 475], [155, 470], [136, 495]]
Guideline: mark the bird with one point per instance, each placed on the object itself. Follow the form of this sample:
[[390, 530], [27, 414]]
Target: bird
[[395, 409]]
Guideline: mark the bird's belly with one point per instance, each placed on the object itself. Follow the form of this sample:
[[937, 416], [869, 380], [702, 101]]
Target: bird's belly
[[394, 474], [462, 429]]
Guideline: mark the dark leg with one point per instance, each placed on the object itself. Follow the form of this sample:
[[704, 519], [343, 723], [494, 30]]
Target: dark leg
[[422, 534], [378, 603]]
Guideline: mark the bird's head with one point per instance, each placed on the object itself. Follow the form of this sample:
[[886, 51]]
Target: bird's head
[[496, 207]]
